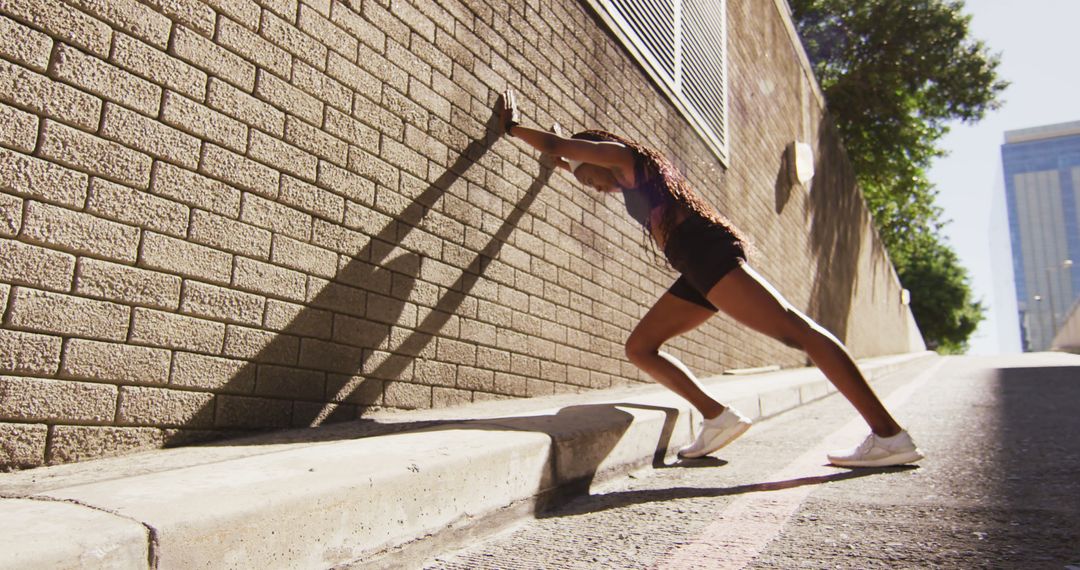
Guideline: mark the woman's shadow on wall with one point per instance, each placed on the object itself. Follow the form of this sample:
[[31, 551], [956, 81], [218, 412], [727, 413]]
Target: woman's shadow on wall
[[300, 380]]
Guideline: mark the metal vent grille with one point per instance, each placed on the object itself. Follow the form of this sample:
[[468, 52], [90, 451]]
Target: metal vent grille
[[682, 43]]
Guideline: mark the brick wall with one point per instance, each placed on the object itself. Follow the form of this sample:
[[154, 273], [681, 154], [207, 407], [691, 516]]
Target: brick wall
[[221, 215]]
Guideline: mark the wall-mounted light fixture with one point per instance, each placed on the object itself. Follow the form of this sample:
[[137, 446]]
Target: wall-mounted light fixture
[[800, 162]]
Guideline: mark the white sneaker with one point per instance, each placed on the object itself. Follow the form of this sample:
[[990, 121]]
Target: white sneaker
[[876, 451], [716, 433]]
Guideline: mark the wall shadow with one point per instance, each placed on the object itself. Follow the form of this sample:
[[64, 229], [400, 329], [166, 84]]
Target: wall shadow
[[582, 437], [783, 187], [306, 375], [838, 221]]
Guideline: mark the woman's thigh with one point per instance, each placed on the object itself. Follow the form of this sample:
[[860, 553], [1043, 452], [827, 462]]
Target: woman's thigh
[[669, 317], [748, 298]]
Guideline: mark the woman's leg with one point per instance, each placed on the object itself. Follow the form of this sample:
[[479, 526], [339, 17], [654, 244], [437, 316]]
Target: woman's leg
[[668, 318], [750, 299]]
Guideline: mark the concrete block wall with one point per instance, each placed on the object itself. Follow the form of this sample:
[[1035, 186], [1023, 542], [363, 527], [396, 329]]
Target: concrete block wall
[[222, 215]]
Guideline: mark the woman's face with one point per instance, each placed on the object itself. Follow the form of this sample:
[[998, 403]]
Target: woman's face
[[598, 177]]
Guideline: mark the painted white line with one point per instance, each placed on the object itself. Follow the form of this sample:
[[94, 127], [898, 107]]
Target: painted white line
[[754, 519]]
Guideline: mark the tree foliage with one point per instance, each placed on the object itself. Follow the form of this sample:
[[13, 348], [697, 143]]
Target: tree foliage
[[895, 73]]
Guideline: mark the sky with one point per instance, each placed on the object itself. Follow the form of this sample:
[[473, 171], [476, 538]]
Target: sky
[[1038, 50]]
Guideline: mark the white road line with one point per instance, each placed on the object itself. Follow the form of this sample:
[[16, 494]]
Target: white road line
[[754, 519]]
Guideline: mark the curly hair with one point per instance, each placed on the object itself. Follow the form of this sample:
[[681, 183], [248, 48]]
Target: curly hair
[[655, 169]]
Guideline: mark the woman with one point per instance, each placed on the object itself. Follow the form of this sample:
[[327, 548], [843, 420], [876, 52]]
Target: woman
[[710, 256]]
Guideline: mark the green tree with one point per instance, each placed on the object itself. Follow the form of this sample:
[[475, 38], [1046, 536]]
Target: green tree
[[895, 73]]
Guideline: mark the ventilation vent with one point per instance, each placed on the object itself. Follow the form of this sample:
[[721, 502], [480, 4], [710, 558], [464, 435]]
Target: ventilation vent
[[682, 44]]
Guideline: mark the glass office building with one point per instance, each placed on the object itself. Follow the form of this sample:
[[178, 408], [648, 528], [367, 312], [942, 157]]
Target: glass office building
[[1042, 190]]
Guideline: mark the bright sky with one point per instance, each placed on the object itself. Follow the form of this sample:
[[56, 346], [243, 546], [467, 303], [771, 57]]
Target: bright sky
[[1036, 40]]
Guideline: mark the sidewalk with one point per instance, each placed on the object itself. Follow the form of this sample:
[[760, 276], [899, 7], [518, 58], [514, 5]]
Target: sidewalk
[[384, 492]]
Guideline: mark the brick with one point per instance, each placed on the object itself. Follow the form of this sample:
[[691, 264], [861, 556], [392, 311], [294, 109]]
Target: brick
[[282, 156], [419, 22], [11, 210], [192, 13], [288, 98], [79, 443], [62, 21], [330, 357], [404, 158], [28, 353], [154, 64], [407, 396], [383, 119], [212, 58], [36, 399], [245, 108], [404, 107], [477, 379], [276, 217], [229, 235], [245, 412], [254, 48], [318, 26], [136, 207], [150, 136], [297, 319], [22, 445], [125, 284], [239, 171], [24, 45], [304, 257], [194, 189], [115, 362], [342, 240], [358, 26], [28, 90], [346, 128], [223, 304], [294, 41], [291, 383], [202, 121], [353, 77], [356, 188], [191, 370], [316, 141], [79, 232], [20, 129], [259, 277], [246, 12], [157, 407], [95, 156], [26, 264], [66, 315], [5, 291], [170, 330], [130, 16], [312, 199], [184, 258], [322, 86], [382, 18], [109, 82], [354, 389], [337, 297], [449, 397], [261, 346], [418, 69]]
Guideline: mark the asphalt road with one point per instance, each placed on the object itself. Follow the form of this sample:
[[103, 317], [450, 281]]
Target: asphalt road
[[1000, 488]]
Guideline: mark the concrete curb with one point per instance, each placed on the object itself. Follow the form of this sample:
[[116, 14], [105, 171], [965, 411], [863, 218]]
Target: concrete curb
[[320, 499]]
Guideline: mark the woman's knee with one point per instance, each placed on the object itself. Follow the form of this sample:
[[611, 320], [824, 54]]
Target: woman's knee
[[641, 349]]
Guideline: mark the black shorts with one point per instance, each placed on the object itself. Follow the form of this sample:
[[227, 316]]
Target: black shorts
[[703, 252]]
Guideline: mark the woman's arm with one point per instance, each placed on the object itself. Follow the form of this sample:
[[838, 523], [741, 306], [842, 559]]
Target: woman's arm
[[607, 154]]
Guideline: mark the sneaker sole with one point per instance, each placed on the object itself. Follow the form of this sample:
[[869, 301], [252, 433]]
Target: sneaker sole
[[889, 461], [742, 427]]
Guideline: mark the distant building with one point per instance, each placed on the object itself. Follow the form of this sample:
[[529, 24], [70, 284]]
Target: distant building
[[1042, 188]]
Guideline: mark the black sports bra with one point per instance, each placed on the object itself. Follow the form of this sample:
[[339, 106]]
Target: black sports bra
[[645, 196]]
